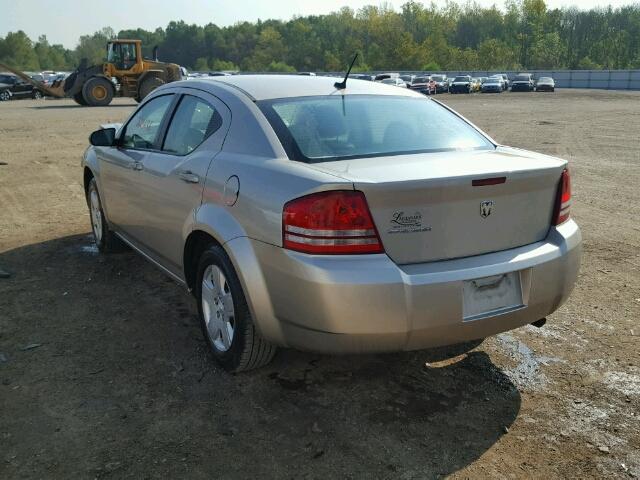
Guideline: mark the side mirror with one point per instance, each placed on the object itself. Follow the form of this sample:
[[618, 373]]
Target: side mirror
[[105, 137]]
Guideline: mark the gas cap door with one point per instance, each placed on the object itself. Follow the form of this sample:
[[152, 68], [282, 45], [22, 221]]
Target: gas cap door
[[231, 191]]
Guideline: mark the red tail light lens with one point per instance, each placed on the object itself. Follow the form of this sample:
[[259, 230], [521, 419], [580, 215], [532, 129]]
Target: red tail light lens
[[334, 222], [563, 202]]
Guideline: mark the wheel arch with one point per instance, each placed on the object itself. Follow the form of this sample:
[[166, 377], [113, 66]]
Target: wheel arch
[[87, 176], [196, 243]]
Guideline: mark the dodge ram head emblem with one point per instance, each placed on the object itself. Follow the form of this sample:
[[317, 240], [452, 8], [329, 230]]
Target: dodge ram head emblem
[[486, 207]]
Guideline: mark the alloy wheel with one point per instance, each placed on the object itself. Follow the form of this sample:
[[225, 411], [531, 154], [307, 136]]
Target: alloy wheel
[[96, 215], [217, 308]]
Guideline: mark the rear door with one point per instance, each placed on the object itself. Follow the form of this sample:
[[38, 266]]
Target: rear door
[[170, 184]]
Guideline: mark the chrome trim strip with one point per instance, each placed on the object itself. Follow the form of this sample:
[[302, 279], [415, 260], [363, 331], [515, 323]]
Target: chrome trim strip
[[146, 256], [331, 241], [330, 233]]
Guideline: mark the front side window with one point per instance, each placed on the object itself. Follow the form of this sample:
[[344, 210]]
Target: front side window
[[191, 125], [326, 128], [142, 130]]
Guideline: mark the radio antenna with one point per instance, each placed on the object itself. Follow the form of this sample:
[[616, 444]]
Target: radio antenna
[[343, 84]]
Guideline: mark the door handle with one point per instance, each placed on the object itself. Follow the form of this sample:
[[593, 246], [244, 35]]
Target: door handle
[[137, 166], [189, 177]]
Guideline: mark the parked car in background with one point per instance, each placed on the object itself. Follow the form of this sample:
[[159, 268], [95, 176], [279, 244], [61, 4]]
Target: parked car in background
[[362, 76], [12, 87], [408, 79], [506, 82], [397, 81], [545, 84], [422, 84], [461, 84], [500, 78], [378, 232], [492, 85], [442, 83], [523, 83], [482, 80], [383, 76]]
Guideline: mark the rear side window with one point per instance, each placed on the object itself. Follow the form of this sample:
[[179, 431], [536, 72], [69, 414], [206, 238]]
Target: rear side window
[[193, 122], [143, 128], [326, 128]]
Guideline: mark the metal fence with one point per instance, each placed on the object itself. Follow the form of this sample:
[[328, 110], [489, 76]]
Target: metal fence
[[605, 79]]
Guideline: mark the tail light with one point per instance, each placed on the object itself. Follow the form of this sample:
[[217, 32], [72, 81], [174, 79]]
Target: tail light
[[333, 222], [563, 201]]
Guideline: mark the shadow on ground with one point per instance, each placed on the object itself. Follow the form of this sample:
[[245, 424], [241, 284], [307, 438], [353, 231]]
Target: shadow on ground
[[105, 373]]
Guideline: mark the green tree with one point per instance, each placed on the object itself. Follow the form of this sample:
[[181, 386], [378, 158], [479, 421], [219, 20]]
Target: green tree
[[93, 47], [17, 51], [201, 65], [269, 49]]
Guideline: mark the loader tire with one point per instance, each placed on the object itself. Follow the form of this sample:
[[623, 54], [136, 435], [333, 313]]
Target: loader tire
[[97, 92], [79, 99], [148, 86]]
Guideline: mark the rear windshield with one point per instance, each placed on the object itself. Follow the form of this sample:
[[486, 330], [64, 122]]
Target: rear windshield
[[461, 79], [420, 80], [522, 78], [326, 128], [437, 78]]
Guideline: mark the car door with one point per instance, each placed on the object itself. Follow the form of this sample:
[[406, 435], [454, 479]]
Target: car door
[[120, 165], [169, 186], [21, 88]]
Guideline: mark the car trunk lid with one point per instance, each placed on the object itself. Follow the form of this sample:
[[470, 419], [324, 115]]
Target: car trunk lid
[[438, 206]]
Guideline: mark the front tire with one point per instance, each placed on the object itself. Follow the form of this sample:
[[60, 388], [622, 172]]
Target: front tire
[[105, 239], [5, 96], [225, 317], [37, 95], [97, 92]]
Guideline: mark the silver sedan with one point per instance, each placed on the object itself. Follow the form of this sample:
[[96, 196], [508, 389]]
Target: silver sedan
[[302, 213]]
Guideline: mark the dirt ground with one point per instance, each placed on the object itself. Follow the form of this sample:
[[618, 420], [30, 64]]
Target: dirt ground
[[104, 372]]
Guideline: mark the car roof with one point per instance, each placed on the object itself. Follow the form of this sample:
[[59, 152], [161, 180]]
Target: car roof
[[267, 87]]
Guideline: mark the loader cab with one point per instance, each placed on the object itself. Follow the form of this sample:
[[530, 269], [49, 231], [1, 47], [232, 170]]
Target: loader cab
[[125, 55]]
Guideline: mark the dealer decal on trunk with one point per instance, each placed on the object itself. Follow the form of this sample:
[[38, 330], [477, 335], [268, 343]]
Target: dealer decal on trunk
[[407, 223]]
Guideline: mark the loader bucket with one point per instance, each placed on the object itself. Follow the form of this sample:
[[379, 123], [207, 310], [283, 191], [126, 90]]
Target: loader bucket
[[56, 90]]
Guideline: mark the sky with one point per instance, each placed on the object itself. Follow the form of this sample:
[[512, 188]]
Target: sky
[[63, 21]]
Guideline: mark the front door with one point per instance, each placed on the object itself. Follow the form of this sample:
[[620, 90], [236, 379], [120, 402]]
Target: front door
[[120, 166]]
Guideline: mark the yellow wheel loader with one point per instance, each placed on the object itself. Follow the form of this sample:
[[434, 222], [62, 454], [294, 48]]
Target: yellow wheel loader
[[124, 74]]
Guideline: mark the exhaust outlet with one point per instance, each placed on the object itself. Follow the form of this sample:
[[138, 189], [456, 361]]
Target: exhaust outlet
[[539, 323]]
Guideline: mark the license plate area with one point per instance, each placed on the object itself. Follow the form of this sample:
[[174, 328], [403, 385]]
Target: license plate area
[[489, 296]]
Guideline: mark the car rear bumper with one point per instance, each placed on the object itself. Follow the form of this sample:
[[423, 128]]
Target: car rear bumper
[[367, 303]]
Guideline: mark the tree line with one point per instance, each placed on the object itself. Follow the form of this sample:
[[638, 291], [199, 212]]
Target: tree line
[[524, 35]]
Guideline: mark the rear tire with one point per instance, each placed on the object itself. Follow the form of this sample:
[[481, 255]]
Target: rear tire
[[222, 305], [148, 86], [37, 95], [97, 92], [5, 96]]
